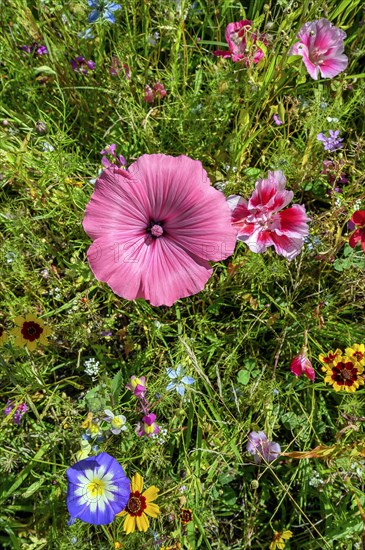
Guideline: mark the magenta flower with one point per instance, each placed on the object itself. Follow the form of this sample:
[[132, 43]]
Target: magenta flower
[[260, 223], [155, 226], [301, 365], [277, 120], [137, 385], [259, 446], [242, 43], [157, 92], [80, 65], [321, 47], [358, 219], [117, 160], [149, 426]]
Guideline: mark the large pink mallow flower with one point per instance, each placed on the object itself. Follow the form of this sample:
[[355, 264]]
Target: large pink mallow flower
[[260, 223], [321, 47], [155, 226], [242, 43]]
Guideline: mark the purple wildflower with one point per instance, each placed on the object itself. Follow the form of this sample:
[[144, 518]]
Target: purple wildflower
[[331, 143], [277, 120], [42, 50], [80, 65], [39, 49], [149, 426], [19, 412], [117, 160], [259, 446]]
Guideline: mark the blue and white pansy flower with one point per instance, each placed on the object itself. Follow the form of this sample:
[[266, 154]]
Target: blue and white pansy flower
[[98, 489], [178, 380]]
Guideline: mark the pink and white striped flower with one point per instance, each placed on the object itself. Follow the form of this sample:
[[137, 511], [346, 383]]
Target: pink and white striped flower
[[321, 46], [260, 223]]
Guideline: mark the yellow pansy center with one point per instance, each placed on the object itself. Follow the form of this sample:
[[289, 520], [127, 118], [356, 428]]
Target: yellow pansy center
[[136, 382], [96, 488], [117, 422]]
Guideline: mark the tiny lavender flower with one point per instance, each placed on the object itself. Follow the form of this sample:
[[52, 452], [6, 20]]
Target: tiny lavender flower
[[259, 446], [80, 65], [19, 412], [178, 380], [277, 120], [331, 143], [117, 161]]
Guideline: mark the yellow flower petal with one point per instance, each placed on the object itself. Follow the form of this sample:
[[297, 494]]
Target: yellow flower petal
[[152, 510], [31, 345], [122, 513], [286, 535], [142, 522], [151, 493], [129, 525], [19, 321], [137, 483]]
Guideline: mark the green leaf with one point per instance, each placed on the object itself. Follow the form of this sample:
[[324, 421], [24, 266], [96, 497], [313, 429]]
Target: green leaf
[[243, 377], [44, 69]]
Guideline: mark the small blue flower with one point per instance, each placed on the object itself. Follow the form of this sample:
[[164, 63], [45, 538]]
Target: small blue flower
[[86, 35], [102, 9], [178, 380]]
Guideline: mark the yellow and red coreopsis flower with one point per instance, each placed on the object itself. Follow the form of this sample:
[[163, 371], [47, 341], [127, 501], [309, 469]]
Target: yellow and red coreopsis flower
[[344, 373], [186, 516], [329, 358], [357, 354], [140, 505], [279, 540], [29, 331], [3, 336]]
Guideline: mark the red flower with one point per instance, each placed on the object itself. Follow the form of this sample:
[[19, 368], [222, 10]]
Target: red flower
[[301, 365], [358, 218]]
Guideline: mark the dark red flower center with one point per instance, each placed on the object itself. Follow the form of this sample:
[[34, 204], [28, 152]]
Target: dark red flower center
[[330, 357], [358, 355], [155, 229], [31, 331], [1, 331], [344, 374], [136, 504], [186, 515]]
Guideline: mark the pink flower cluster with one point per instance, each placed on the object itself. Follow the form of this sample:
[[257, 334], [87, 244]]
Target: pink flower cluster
[[148, 426], [242, 43], [260, 223], [321, 46], [157, 92]]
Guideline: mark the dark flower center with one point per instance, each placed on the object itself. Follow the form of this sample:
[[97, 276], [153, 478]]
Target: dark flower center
[[1, 331], [330, 357], [186, 515], [344, 374], [136, 504], [155, 229], [31, 331], [358, 355]]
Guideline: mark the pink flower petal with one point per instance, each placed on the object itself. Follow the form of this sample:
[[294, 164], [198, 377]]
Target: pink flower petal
[[332, 67], [293, 222]]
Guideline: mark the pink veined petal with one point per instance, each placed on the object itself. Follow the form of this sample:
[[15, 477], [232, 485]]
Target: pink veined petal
[[234, 200], [293, 222], [178, 274], [332, 67], [258, 241], [287, 247], [312, 69], [270, 193], [309, 372], [204, 228], [118, 204]]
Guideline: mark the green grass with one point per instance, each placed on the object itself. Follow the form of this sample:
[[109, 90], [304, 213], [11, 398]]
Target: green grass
[[238, 336]]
